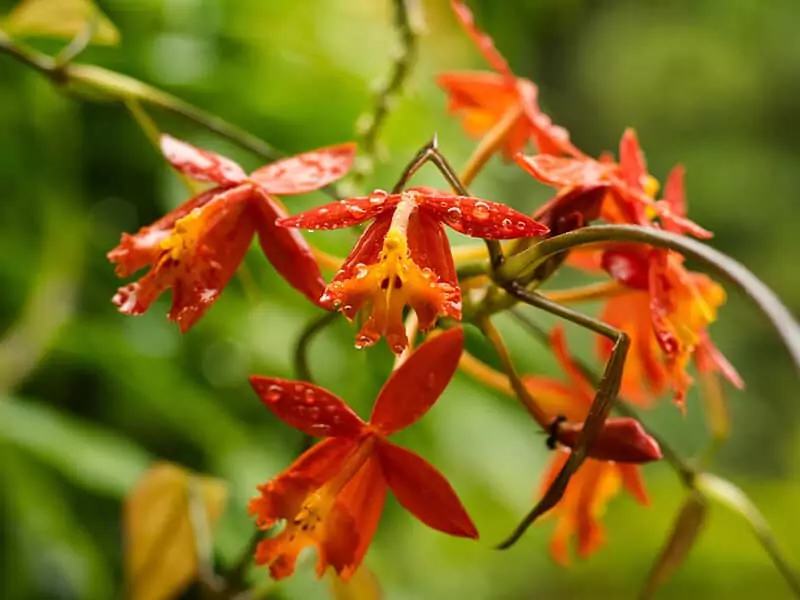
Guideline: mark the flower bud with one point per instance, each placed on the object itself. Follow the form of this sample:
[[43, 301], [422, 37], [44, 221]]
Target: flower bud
[[621, 440]]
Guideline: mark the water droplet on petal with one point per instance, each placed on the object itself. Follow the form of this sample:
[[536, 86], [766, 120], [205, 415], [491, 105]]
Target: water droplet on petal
[[481, 211], [310, 396], [454, 215], [274, 392], [362, 271], [378, 197], [507, 223], [521, 225], [355, 210]]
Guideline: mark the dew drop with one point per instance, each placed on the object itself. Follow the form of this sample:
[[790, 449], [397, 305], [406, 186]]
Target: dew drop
[[521, 225], [481, 211], [454, 215], [310, 396], [274, 392], [355, 210], [507, 223], [362, 271], [378, 197]]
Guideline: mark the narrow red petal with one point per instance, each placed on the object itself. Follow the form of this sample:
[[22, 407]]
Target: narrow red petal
[[307, 407], [365, 252], [363, 497], [430, 249], [423, 491], [200, 164], [631, 160], [674, 191], [306, 172], [558, 171], [287, 249], [484, 43], [344, 213], [480, 218], [413, 388]]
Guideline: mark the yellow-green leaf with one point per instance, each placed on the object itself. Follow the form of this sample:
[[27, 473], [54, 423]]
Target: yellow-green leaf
[[687, 528], [166, 521], [363, 585], [60, 19]]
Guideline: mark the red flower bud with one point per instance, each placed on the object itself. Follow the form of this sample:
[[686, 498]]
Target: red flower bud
[[621, 440]]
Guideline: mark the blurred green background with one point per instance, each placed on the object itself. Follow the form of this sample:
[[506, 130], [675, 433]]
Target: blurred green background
[[89, 397]]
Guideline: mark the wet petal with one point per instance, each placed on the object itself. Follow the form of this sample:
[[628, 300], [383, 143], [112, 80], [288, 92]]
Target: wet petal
[[622, 440], [363, 498], [423, 491], [307, 407], [480, 218], [629, 264], [560, 172], [143, 248], [200, 164], [197, 260], [286, 249], [413, 388], [631, 161], [344, 213], [306, 172]]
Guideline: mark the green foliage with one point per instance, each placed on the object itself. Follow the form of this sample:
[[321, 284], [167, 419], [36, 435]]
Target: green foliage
[[710, 84]]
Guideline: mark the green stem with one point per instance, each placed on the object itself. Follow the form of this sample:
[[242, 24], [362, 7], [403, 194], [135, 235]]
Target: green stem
[[520, 265]]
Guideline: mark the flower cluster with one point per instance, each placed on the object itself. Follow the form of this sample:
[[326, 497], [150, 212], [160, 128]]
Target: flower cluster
[[332, 496]]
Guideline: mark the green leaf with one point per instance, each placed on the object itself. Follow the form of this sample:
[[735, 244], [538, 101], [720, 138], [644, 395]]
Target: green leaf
[[88, 455], [60, 19]]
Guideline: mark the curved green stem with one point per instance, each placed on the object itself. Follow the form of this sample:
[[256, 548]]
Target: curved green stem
[[520, 265]]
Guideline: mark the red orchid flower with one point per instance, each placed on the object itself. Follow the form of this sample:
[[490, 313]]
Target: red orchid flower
[[598, 479], [629, 188], [332, 496], [196, 249], [484, 99], [404, 258], [666, 314]]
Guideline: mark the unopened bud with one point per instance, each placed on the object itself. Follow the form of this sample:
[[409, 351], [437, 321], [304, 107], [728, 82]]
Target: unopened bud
[[621, 440]]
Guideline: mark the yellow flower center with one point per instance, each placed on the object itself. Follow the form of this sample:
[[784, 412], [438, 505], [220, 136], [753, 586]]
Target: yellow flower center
[[185, 234]]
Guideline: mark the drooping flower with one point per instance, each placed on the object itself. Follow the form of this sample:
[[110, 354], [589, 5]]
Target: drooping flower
[[332, 496], [598, 479], [484, 99], [196, 248], [627, 191], [403, 258]]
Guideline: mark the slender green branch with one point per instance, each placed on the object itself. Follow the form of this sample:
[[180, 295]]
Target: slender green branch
[[520, 265], [607, 390], [370, 124], [310, 331], [79, 78]]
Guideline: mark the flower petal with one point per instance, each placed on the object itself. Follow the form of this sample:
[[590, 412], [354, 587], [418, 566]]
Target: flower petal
[[287, 249], [484, 43], [430, 249], [629, 264], [675, 192], [200, 164], [306, 172], [558, 171], [480, 218], [137, 251], [622, 440], [423, 491], [307, 407], [631, 161], [363, 497], [413, 388], [344, 213], [281, 497]]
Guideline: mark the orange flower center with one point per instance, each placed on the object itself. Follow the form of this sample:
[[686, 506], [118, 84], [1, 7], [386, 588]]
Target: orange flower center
[[185, 235]]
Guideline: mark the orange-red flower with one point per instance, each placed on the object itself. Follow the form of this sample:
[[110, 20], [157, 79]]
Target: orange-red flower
[[332, 496], [629, 190], [196, 249], [404, 258], [483, 99], [597, 480]]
